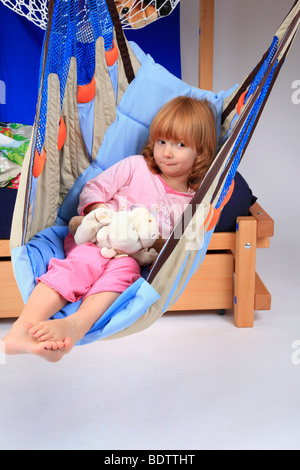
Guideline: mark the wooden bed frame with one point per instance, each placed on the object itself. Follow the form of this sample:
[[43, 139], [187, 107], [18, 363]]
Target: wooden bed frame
[[227, 278]]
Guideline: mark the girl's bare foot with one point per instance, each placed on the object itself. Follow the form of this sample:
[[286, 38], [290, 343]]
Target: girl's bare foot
[[19, 341], [71, 329], [55, 331]]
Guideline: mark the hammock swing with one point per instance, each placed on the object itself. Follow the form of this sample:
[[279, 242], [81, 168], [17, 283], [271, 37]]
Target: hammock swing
[[92, 84]]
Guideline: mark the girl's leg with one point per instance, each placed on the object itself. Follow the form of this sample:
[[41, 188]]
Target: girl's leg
[[41, 305], [66, 280], [118, 274], [76, 325]]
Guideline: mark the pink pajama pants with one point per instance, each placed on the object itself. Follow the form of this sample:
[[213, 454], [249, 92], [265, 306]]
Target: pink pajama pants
[[85, 272]]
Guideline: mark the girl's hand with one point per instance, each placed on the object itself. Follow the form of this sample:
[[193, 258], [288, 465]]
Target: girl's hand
[[92, 207], [74, 223], [87, 231]]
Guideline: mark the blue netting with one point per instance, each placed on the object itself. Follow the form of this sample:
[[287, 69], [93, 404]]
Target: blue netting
[[76, 26], [245, 132], [244, 136], [262, 71]]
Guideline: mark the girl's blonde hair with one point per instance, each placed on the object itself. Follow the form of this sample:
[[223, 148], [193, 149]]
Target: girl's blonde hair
[[192, 122]]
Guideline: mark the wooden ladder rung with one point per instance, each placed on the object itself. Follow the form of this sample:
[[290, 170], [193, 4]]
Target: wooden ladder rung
[[262, 297]]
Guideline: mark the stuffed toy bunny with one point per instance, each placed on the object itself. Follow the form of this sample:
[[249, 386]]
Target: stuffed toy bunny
[[120, 233]]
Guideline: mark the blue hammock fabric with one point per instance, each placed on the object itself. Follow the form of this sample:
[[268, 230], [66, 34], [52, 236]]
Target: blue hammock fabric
[[154, 86]]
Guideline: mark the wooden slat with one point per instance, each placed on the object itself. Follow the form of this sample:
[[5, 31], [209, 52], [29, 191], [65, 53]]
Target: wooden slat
[[263, 242], [211, 287], [11, 300], [206, 44], [265, 223], [262, 298], [222, 241], [4, 248]]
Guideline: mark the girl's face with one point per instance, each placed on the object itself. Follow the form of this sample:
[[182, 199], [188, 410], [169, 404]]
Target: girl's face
[[174, 158]]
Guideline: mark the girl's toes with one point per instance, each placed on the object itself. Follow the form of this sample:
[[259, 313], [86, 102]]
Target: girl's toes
[[52, 345], [44, 337]]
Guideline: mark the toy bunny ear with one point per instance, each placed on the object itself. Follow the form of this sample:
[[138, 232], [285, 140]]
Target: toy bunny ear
[[102, 216]]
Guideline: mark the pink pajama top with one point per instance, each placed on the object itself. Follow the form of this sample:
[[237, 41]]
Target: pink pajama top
[[128, 184]]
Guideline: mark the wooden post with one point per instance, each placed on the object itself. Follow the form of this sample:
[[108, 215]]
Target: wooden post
[[206, 44], [245, 261]]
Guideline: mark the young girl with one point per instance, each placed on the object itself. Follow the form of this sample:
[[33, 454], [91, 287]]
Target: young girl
[[181, 147]]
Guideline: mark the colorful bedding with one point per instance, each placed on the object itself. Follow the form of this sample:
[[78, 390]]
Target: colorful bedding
[[14, 141]]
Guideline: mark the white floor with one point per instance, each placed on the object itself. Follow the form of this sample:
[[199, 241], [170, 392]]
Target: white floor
[[190, 381]]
